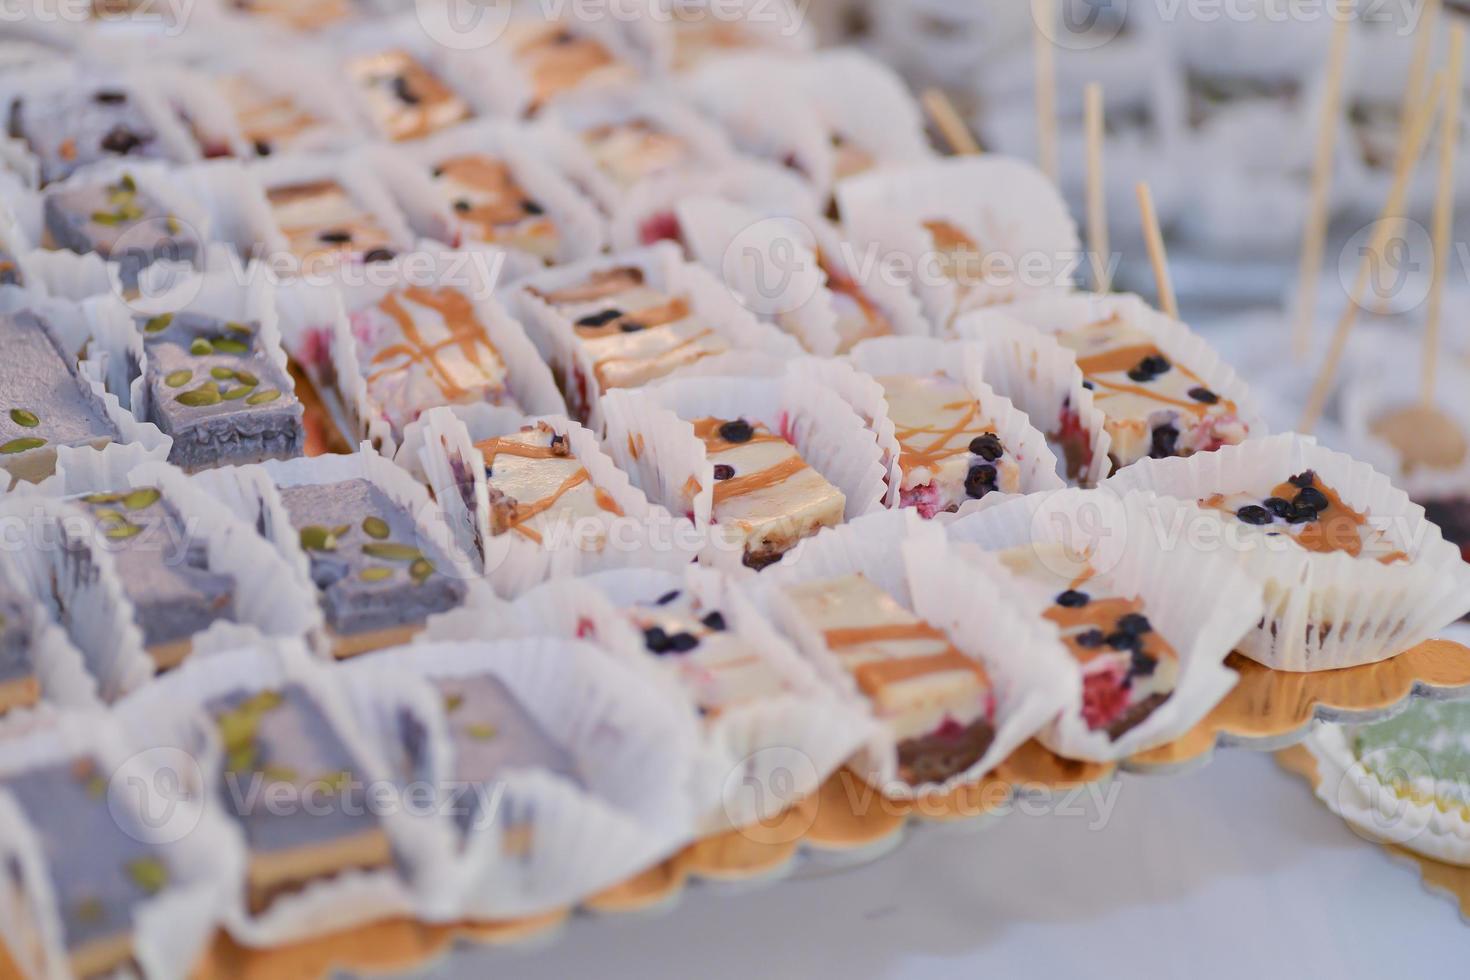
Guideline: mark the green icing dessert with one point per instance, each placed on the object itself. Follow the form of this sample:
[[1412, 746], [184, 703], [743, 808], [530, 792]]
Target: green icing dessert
[[1422, 754]]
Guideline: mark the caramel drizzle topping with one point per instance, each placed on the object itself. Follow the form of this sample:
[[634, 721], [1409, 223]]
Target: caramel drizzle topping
[[708, 430], [913, 456], [1123, 359], [464, 331], [491, 448], [599, 369], [841, 283], [600, 285], [874, 676], [1103, 614], [494, 179], [558, 65], [1335, 529], [673, 311]]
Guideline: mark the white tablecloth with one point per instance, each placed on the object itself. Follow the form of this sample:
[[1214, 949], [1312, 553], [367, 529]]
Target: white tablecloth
[[1232, 871]]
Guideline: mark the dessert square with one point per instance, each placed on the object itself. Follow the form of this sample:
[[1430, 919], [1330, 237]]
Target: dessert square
[[162, 569], [217, 392], [634, 149], [1154, 406], [301, 15], [536, 484], [718, 667], [377, 577], [121, 222], [19, 686], [100, 873], [858, 316], [68, 128], [420, 347], [406, 100], [491, 205], [46, 404], [938, 702], [559, 57], [765, 494], [949, 453], [285, 739], [271, 121], [320, 219]]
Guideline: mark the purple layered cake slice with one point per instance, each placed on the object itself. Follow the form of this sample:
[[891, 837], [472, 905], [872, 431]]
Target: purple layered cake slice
[[46, 405], [68, 128], [99, 873], [378, 578], [214, 389], [280, 744], [162, 567], [406, 99], [19, 614], [119, 221]]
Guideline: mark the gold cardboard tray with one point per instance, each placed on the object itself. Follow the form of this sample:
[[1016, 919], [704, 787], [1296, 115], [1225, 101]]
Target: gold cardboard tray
[[1451, 881]]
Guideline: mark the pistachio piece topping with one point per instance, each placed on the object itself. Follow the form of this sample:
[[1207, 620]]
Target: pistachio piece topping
[[179, 378], [390, 551], [314, 537], [377, 573], [22, 445], [263, 396], [376, 527], [24, 418], [158, 324]]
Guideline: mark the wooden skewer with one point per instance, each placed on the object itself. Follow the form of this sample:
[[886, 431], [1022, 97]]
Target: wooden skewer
[[1314, 236], [1043, 12], [1097, 201], [1153, 237], [1444, 212], [949, 122], [1417, 129]]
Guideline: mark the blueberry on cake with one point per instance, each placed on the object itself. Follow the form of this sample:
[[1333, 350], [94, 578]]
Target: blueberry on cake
[[321, 220], [120, 222], [281, 744], [214, 389], [163, 570], [938, 702], [1307, 513], [406, 100], [377, 576], [491, 206], [766, 497], [69, 128]]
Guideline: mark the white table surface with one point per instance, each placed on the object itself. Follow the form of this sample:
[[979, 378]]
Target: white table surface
[[1232, 871]]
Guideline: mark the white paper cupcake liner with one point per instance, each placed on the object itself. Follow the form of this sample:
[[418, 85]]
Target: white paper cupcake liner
[[1020, 342], [854, 379], [754, 760], [910, 560], [778, 26], [629, 745], [1007, 207], [643, 534], [172, 929], [1377, 810], [59, 666], [663, 270], [1322, 611], [649, 435], [508, 85], [170, 715], [653, 210], [581, 229], [1199, 603]]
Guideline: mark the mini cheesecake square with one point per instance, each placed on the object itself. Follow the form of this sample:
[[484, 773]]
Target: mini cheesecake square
[[635, 149], [492, 207], [163, 570], [19, 612], [536, 484], [493, 735], [99, 872], [280, 745], [764, 492], [558, 58], [420, 347], [320, 219], [406, 100], [46, 404], [272, 121], [119, 221], [1128, 668], [1307, 512], [937, 701], [718, 667], [377, 577], [633, 334], [219, 395], [69, 128], [1154, 406], [949, 452]]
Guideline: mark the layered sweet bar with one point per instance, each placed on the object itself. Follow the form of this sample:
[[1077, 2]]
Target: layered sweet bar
[[405, 99], [1154, 406], [272, 121], [99, 874], [162, 569], [377, 576], [949, 452], [19, 686], [320, 219], [68, 128], [121, 222], [631, 332], [766, 497], [420, 347], [938, 703], [719, 668], [217, 392], [301, 15], [559, 57], [46, 404], [1128, 668], [634, 149], [283, 743], [1306, 512], [536, 484], [492, 207]]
